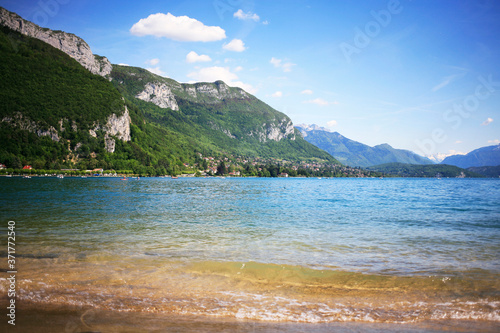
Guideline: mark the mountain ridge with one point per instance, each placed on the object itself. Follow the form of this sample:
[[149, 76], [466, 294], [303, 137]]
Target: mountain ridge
[[70, 44], [425, 170], [481, 157], [357, 154]]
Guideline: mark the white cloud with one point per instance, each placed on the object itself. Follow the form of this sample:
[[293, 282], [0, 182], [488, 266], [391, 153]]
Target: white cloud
[[456, 152], [307, 92], [278, 63], [124, 65], [275, 62], [179, 28], [211, 74], [194, 57], [458, 142], [153, 62], [487, 122], [277, 94], [320, 102], [238, 69], [246, 16], [331, 123], [245, 86], [236, 45], [494, 141], [156, 70], [265, 22]]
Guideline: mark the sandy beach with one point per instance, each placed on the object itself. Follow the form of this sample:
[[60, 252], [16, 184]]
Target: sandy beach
[[48, 319]]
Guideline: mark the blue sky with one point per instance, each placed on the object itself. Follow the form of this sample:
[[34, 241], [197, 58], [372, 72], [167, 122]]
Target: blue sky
[[419, 75]]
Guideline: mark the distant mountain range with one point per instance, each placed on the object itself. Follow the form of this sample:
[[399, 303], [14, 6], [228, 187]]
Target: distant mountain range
[[485, 156], [354, 153], [426, 171]]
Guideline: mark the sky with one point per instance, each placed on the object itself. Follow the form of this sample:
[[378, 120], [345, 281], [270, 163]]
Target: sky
[[418, 75]]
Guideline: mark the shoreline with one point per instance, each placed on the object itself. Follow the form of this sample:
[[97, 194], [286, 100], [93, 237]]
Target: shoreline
[[36, 317]]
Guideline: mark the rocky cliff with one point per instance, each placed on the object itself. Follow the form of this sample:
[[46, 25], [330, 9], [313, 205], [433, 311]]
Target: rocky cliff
[[22, 122], [116, 126], [275, 131], [215, 92], [159, 94], [165, 93], [70, 44]]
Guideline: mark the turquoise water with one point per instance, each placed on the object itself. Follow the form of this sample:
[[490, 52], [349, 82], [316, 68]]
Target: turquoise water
[[382, 228]]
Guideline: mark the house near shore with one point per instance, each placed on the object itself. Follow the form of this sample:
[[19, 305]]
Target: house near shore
[[97, 172], [283, 174], [27, 167], [2, 166]]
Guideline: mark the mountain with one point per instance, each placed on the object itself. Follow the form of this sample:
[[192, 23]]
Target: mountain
[[222, 117], [354, 153], [427, 171], [70, 44], [62, 106], [52, 109], [487, 171], [485, 156]]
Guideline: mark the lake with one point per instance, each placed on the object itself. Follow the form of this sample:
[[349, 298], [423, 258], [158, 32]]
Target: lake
[[305, 251]]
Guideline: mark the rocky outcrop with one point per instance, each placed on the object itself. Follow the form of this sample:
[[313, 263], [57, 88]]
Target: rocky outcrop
[[163, 94], [159, 94], [275, 131], [116, 127], [215, 92], [216, 127], [119, 126], [70, 44], [26, 124]]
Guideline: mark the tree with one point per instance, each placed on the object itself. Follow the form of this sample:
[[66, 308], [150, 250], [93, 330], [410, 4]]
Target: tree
[[204, 165], [221, 169]]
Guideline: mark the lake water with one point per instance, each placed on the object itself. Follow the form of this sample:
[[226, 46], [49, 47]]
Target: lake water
[[292, 250]]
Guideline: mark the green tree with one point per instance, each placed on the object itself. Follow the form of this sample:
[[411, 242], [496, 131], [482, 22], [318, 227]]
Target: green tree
[[221, 169]]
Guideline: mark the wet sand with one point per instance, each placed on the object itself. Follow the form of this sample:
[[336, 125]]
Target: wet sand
[[44, 318]]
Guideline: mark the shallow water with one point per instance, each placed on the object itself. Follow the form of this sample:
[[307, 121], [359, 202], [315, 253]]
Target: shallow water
[[288, 250]]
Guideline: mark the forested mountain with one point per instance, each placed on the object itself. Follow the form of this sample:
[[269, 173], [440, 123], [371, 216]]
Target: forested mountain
[[219, 117], [52, 109], [354, 153], [487, 171], [426, 171], [63, 107]]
